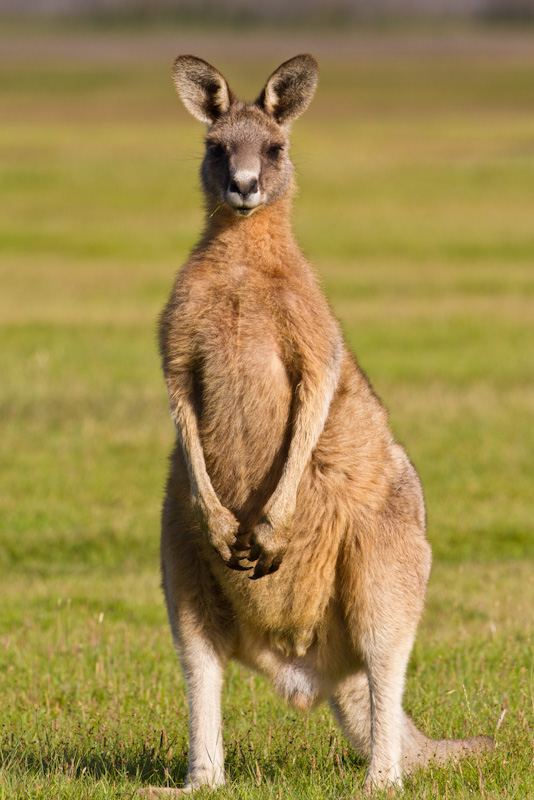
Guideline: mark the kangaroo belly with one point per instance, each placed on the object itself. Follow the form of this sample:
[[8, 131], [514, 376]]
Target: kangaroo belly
[[245, 406]]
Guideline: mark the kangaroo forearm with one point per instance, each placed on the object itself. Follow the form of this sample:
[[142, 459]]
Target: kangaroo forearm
[[312, 412], [218, 524], [185, 419], [308, 427]]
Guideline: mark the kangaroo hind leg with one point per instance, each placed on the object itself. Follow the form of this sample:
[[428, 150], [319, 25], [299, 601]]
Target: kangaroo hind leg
[[368, 706], [351, 705], [203, 636], [204, 672]]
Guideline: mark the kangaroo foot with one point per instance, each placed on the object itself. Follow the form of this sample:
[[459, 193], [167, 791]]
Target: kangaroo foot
[[160, 792]]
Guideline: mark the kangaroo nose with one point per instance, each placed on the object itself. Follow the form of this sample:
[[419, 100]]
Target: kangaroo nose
[[243, 185]]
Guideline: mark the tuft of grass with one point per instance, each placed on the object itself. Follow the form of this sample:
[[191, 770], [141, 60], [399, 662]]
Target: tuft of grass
[[415, 170]]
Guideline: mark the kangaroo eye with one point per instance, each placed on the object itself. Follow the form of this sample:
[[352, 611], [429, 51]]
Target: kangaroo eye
[[217, 150], [274, 150]]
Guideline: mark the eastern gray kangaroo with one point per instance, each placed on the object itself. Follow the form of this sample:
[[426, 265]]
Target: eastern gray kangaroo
[[293, 528]]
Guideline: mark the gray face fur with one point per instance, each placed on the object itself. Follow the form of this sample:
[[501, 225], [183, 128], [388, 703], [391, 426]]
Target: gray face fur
[[247, 147]]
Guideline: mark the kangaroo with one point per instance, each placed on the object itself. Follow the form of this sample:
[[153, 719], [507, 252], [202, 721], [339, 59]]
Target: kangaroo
[[293, 526]]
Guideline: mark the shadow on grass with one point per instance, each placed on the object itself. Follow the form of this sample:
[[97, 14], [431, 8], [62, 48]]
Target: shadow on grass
[[157, 765], [165, 764]]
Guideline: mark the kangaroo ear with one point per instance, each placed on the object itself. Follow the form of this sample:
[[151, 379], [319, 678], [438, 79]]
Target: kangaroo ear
[[203, 89], [290, 88]]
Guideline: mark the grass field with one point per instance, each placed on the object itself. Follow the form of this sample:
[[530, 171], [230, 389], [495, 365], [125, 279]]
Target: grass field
[[416, 168]]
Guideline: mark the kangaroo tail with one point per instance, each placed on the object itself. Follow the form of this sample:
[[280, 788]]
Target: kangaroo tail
[[418, 750]]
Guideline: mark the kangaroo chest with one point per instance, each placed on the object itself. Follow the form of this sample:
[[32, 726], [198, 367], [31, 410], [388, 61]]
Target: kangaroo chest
[[244, 391]]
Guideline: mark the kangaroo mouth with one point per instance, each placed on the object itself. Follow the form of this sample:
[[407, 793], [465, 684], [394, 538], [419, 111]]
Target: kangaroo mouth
[[244, 205], [244, 211]]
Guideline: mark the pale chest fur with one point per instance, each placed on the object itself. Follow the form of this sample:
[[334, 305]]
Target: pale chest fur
[[244, 386]]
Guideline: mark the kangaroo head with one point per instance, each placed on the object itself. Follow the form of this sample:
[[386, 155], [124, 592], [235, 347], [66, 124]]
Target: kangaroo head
[[246, 164]]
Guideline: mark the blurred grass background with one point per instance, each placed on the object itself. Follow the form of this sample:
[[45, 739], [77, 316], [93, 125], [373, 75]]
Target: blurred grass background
[[415, 165]]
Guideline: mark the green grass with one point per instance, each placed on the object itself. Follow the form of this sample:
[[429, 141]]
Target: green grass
[[415, 206]]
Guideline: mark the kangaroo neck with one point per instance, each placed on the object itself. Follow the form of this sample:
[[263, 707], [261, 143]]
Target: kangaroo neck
[[263, 240]]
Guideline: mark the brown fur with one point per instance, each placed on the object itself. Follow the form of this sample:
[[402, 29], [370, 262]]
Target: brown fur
[[293, 535]]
